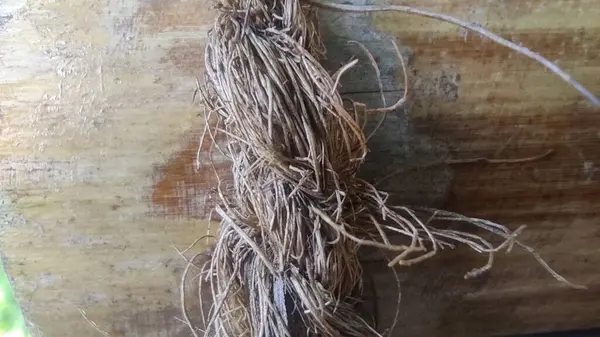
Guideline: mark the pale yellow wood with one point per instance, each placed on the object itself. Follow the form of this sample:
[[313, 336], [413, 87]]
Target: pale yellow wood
[[95, 97]]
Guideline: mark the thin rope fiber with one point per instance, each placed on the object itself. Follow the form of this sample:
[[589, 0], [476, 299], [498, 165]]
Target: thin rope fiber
[[294, 216]]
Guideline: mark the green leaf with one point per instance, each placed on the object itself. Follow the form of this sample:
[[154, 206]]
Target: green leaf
[[12, 323]]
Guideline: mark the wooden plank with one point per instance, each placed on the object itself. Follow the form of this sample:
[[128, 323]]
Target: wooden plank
[[98, 140], [507, 106], [481, 100], [96, 102]]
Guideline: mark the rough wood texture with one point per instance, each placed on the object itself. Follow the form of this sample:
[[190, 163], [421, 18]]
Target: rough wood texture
[[98, 139]]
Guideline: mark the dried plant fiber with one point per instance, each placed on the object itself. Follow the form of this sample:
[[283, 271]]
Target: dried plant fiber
[[285, 262]]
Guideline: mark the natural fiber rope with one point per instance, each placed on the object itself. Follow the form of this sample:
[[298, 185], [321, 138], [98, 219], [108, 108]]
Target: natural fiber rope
[[294, 216]]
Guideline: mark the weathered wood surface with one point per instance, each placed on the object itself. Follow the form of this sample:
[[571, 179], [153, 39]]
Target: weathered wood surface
[[98, 138]]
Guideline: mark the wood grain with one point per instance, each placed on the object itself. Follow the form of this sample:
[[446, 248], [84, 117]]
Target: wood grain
[[98, 140]]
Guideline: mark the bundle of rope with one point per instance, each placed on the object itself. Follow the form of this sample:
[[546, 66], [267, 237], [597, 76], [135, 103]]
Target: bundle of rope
[[295, 214]]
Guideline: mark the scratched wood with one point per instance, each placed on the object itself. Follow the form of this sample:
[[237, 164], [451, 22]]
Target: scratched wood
[[98, 141]]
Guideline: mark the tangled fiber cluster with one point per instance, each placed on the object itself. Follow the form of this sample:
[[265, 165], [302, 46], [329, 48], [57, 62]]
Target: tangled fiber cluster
[[295, 215]]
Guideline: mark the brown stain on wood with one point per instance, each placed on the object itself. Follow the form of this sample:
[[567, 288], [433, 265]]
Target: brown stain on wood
[[186, 191], [563, 45], [563, 186]]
